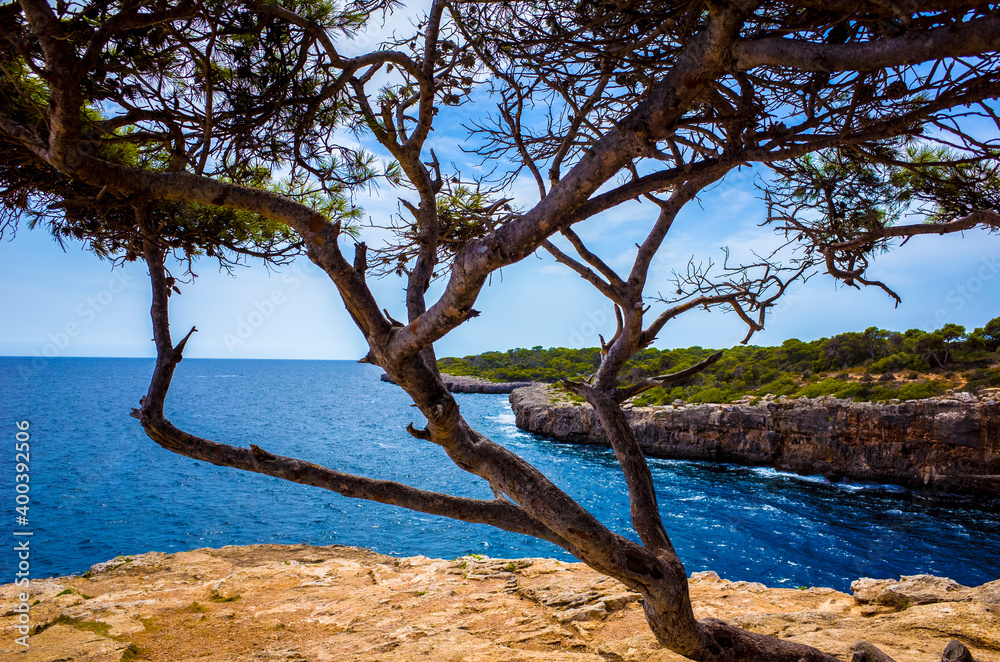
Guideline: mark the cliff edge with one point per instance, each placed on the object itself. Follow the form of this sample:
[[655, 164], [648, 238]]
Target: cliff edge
[[949, 443]]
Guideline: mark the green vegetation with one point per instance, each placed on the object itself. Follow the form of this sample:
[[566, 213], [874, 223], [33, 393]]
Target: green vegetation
[[216, 597], [97, 627], [133, 652], [872, 365]]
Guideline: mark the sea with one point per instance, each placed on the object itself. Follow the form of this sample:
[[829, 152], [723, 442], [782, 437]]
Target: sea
[[99, 488]]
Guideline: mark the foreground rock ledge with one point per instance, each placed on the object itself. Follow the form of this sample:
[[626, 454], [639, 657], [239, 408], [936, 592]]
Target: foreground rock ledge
[[281, 602]]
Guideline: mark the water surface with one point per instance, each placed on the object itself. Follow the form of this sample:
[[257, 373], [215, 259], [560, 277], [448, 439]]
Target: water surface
[[101, 488]]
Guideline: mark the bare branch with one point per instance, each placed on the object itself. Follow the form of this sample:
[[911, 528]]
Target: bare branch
[[602, 286], [619, 327], [979, 218], [499, 513], [975, 37], [623, 394], [613, 278]]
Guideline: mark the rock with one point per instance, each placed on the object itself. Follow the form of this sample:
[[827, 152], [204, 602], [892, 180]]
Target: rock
[[296, 602], [866, 589], [914, 590], [706, 576], [866, 652], [923, 590], [943, 444], [105, 566], [956, 652]]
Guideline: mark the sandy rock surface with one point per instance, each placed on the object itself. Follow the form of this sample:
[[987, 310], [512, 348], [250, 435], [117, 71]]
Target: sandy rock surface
[[286, 603]]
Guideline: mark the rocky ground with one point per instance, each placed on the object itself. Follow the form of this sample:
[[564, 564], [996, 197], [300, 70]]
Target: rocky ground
[[277, 602]]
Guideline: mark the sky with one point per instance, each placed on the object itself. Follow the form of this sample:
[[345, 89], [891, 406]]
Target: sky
[[70, 303]]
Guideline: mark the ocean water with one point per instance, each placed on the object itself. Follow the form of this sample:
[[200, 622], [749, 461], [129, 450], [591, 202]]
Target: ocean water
[[100, 488]]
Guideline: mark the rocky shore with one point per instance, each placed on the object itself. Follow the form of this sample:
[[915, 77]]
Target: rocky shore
[[948, 443], [322, 604], [463, 384]]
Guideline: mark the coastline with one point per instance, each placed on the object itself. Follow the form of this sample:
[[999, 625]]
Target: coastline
[[297, 602], [465, 384], [946, 444]]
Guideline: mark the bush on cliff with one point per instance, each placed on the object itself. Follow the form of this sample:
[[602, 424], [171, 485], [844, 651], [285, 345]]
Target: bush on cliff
[[839, 366]]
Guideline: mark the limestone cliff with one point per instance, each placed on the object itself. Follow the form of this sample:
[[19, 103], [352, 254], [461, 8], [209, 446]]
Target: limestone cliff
[[948, 443], [333, 604]]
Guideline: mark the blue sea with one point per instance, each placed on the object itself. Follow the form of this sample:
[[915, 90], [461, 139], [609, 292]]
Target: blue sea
[[100, 488]]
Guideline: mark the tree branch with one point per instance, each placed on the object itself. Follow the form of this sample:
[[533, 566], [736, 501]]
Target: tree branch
[[499, 513], [623, 394], [586, 273], [651, 119], [592, 259], [981, 217], [975, 37]]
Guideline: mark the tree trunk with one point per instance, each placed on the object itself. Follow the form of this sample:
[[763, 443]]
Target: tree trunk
[[667, 601]]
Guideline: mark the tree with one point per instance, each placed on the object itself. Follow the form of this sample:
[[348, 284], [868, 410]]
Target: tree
[[231, 114]]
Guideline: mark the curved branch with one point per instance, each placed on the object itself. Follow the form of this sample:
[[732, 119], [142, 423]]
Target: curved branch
[[592, 259], [623, 394], [499, 512], [350, 65], [649, 335], [643, 507], [972, 38]]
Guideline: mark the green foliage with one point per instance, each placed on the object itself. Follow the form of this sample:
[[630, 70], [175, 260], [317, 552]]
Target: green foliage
[[217, 597], [909, 366], [248, 70]]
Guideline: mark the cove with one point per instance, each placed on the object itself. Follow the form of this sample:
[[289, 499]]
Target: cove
[[101, 488]]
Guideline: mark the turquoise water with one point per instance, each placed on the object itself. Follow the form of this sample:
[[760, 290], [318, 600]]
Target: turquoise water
[[100, 487]]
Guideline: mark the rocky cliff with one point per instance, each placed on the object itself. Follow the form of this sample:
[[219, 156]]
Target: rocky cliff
[[270, 603], [949, 443]]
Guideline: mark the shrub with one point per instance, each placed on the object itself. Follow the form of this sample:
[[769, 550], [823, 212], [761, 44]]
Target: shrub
[[824, 387], [922, 390]]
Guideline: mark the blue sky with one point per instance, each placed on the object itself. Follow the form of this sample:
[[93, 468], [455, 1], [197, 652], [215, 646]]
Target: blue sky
[[73, 304]]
